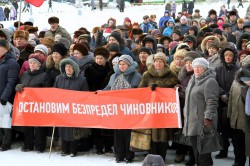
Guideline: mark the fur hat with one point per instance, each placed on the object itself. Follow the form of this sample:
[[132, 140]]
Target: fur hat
[[127, 20], [60, 48], [81, 48], [191, 55], [36, 58], [144, 49], [232, 13], [161, 41], [212, 11], [42, 48], [211, 40], [226, 25], [4, 43], [114, 47], [48, 41], [16, 24], [101, 51], [22, 34], [200, 62], [137, 31], [77, 34], [127, 59], [217, 31], [28, 23], [162, 56], [156, 32], [177, 32], [180, 53], [32, 29], [117, 36], [53, 19], [191, 38]]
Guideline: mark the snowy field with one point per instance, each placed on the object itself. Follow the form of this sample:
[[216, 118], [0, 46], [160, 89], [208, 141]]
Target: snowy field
[[70, 20]]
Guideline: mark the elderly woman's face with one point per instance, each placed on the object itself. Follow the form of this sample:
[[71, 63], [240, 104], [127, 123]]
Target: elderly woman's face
[[159, 64], [179, 61], [33, 65], [69, 70], [198, 70], [123, 66]]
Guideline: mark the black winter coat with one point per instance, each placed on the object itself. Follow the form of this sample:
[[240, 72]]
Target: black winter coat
[[25, 53], [9, 70]]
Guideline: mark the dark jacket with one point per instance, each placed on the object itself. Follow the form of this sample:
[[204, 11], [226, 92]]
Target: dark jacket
[[25, 53], [9, 70], [190, 7], [245, 35]]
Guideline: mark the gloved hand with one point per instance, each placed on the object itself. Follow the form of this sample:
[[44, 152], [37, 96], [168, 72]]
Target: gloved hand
[[178, 86], [224, 98], [3, 102], [19, 87], [153, 86]]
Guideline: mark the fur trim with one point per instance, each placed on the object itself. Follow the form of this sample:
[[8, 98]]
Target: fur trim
[[215, 40], [22, 33]]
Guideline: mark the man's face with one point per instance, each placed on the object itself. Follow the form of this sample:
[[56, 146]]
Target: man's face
[[20, 42], [232, 17], [146, 20], [228, 29], [247, 29], [54, 26]]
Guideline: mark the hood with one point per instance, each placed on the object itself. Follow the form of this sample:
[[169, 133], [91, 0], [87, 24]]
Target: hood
[[7, 33], [204, 41], [131, 69], [202, 78], [171, 20], [85, 60], [232, 49], [152, 39], [245, 35], [71, 62], [7, 56]]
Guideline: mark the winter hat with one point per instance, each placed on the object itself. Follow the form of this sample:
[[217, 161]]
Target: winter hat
[[116, 35], [85, 36], [36, 58], [217, 31], [226, 25], [28, 23], [64, 41], [22, 34], [162, 56], [212, 11], [152, 159], [177, 32], [137, 31], [114, 47], [180, 53], [156, 32], [191, 38], [145, 17], [161, 41], [42, 48], [48, 42], [144, 49], [183, 18], [246, 25], [242, 52], [200, 62], [81, 48], [183, 46], [115, 60], [101, 51], [60, 48], [248, 44], [232, 13], [4, 43], [127, 20], [53, 19], [173, 44], [195, 29], [127, 59], [166, 11], [191, 55], [77, 34], [246, 60]]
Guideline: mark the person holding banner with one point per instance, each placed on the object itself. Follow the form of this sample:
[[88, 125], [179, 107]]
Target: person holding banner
[[71, 79], [34, 77], [159, 74], [125, 77], [200, 111], [9, 70]]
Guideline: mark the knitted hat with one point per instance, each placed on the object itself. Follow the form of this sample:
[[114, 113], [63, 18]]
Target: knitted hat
[[242, 52], [114, 47], [117, 36], [144, 49], [115, 60], [42, 48], [217, 31], [162, 56], [183, 18], [173, 44], [36, 58], [180, 53], [246, 60], [145, 17], [127, 59], [22, 34], [177, 32], [191, 55], [81, 48], [246, 25], [101, 51], [200, 62], [226, 25], [127, 20], [52, 20], [4, 43], [85, 36], [60, 48], [156, 32], [191, 38]]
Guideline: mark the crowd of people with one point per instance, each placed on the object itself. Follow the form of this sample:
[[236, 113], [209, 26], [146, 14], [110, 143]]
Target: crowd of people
[[206, 58]]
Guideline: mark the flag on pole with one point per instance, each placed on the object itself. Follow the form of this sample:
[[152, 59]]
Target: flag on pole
[[36, 3]]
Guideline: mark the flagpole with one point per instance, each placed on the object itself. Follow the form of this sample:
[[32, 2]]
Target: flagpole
[[20, 10]]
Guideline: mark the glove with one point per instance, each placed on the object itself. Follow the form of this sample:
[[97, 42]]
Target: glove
[[178, 86], [153, 86], [19, 87], [3, 102], [208, 122], [224, 98]]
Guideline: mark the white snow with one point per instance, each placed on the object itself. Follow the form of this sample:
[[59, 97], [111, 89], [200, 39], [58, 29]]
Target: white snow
[[70, 20]]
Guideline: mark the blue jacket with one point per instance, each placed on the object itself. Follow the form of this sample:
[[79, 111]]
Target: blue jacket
[[9, 72], [162, 20], [146, 27]]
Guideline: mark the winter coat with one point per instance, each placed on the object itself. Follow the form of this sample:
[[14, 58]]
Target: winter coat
[[77, 82], [146, 27], [203, 90], [245, 35], [184, 29], [96, 76], [190, 7], [152, 39], [184, 5], [52, 68], [25, 53], [131, 71], [168, 30], [15, 4], [2, 15], [7, 12], [236, 107], [168, 7], [173, 7], [37, 78], [164, 79], [13, 13], [214, 61], [9, 70], [85, 62], [60, 30], [163, 19]]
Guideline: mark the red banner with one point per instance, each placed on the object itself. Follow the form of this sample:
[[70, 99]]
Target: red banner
[[119, 109], [36, 3]]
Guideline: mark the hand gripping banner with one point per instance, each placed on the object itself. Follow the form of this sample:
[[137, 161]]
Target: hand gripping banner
[[119, 109]]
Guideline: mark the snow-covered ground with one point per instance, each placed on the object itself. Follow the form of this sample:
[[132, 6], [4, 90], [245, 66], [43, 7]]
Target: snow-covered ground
[[70, 20]]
